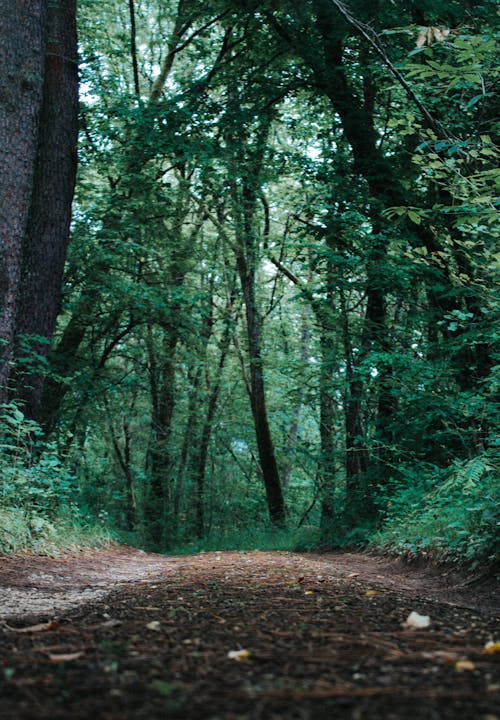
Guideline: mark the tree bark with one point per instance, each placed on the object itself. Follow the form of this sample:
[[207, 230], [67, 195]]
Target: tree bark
[[265, 445], [327, 432], [244, 179], [162, 388], [202, 455], [358, 500], [21, 80], [46, 240]]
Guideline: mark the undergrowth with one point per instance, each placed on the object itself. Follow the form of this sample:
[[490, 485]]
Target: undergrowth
[[450, 515], [38, 508], [256, 538], [34, 533]]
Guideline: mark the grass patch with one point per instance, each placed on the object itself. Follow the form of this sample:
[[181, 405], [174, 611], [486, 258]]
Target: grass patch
[[259, 538], [21, 531]]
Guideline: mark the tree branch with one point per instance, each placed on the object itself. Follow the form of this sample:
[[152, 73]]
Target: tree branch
[[373, 39]]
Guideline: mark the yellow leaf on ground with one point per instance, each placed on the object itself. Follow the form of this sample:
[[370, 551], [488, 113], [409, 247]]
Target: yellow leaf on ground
[[492, 647], [154, 625], [462, 665], [371, 593], [238, 654]]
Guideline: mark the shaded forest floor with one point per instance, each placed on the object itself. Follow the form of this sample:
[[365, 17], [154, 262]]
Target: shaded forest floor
[[118, 634]]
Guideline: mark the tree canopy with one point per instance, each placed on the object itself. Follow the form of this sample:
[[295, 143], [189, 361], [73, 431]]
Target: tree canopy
[[279, 307]]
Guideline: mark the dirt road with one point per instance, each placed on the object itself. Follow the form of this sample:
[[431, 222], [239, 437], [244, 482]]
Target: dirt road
[[120, 634]]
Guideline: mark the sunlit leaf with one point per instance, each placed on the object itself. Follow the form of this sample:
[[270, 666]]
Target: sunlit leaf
[[238, 654], [462, 665], [492, 647], [154, 625], [417, 621]]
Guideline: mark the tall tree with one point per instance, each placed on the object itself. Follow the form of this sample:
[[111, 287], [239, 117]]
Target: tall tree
[[22, 40], [38, 121], [47, 235], [246, 159]]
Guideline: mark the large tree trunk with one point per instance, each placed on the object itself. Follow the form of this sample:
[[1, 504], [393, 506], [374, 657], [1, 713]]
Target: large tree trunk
[[46, 240], [21, 80]]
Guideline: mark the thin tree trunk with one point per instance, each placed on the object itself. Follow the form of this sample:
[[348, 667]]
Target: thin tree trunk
[[190, 432], [123, 455], [133, 47], [327, 433], [265, 445], [293, 429], [64, 357], [202, 456], [162, 387], [248, 166], [358, 500]]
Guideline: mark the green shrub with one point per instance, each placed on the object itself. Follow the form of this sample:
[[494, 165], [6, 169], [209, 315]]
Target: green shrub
[[37, 507], [453, 514]]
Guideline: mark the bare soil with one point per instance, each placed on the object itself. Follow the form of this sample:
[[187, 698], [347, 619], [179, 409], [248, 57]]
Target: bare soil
[[118, 633]]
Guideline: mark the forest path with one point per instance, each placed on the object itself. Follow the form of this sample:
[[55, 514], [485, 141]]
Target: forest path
[[118, 634]]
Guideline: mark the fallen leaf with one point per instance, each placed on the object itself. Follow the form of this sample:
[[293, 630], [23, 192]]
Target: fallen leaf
[[492, 647], [238, 654], [462, 665], [112, 622], [450, 658], [309, 592], [417, 621], [149, 608], [40, 627], [353, 574], [371, 593], [67, 657], [154, 625]]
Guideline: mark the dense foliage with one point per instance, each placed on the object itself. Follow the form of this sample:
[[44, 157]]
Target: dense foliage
[[279, 318]]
